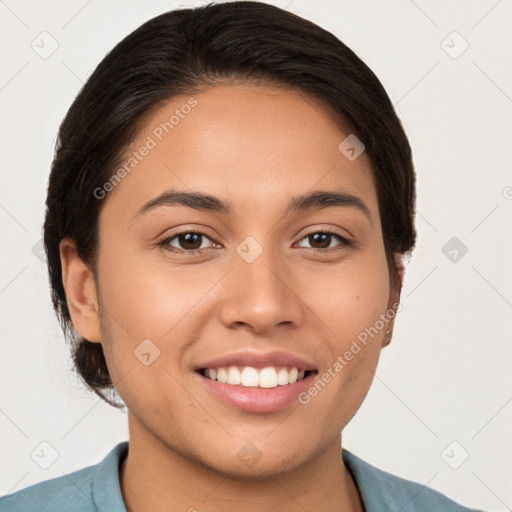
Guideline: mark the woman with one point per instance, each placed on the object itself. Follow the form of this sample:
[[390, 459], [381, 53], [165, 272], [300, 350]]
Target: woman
[[229, 205]]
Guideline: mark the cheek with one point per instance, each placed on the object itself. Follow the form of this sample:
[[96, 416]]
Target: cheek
[[148, 300], [152, 314], [350, 298], [350, 303]]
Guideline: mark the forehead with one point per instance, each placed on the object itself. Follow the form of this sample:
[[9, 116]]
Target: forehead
[[253, 145]]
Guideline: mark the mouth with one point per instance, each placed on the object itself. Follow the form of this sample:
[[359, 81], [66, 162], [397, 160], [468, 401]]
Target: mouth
[[266, 389], [268, 377]]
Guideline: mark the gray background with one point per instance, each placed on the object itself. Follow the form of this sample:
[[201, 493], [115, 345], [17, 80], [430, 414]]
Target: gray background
[[443, 389]]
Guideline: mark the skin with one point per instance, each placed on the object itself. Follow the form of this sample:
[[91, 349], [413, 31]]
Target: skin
[[256, 147]]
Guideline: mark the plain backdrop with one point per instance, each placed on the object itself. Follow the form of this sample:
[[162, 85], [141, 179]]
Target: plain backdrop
[[440, 408]]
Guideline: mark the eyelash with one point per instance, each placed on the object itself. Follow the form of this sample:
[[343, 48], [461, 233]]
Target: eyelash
[[345, 242]]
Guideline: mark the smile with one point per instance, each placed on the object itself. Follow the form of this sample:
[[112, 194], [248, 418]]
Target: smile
[[267, 377], [249, 393]]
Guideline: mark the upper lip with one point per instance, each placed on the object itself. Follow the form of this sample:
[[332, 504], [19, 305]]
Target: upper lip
[[258, 359]]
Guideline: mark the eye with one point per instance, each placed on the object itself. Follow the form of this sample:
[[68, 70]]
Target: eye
[[189, 242], [324, 239]]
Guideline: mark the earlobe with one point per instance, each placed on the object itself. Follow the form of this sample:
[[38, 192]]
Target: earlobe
[[394, 300], [81, 293], [387, 338]]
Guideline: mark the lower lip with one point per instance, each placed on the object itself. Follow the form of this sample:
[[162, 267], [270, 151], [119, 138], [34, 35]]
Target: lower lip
[[259, 400]]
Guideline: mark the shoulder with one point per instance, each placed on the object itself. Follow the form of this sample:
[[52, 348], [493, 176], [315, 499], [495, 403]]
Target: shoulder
[[85, 490], [71, 492], [382, 491]]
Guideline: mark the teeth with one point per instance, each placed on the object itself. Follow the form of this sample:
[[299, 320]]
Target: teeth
[[222, 375], [234, 377], [282, 377], [267, 377]]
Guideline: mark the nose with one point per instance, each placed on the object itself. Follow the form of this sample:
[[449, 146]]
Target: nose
[[261, 295]]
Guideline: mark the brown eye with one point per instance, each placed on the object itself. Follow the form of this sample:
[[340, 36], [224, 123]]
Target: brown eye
[[190, 241], [184, 242], [322, 240]]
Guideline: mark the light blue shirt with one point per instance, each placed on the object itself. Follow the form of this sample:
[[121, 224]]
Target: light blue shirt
[[97, 489]]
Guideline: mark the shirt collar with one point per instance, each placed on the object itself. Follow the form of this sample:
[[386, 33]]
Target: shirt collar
[[378, 491], [106, 486]]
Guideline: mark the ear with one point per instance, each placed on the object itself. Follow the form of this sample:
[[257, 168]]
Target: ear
[[394, 300], [81, 295]]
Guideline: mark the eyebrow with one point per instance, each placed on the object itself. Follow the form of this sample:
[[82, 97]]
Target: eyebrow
[[203, 202]]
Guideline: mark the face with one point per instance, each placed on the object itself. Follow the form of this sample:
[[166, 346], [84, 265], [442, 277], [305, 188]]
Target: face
[[180, 286]]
